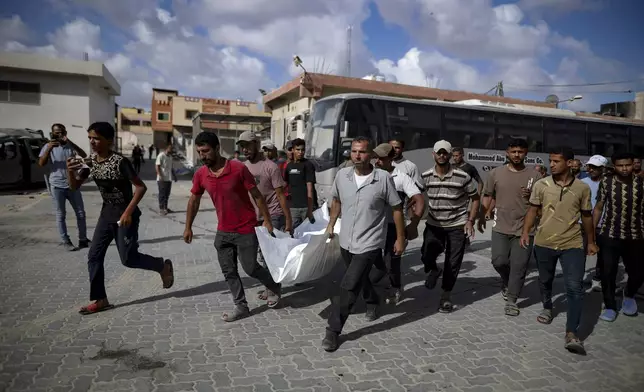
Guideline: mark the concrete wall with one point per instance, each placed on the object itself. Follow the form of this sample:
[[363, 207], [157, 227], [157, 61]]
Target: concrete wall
[[639, 105], [180, 105], [101, 104], [64, 99], [282, 113]]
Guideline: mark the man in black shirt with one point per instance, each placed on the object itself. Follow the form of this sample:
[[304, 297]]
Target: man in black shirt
[[458, 157], [114, 176], [300, 177], [621, 199]]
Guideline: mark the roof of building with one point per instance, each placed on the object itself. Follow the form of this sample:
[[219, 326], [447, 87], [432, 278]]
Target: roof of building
[[165, 90], [312, 85], [39, 63], [235, 118]]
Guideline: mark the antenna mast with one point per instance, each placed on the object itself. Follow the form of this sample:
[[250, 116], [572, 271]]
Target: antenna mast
[[349, 30]]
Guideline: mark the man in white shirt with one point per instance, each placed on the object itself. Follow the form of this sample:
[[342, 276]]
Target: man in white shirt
[[164, 178], [407, 190], [403, 164]]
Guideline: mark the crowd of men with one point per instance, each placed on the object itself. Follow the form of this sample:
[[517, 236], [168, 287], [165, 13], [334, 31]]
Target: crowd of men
[[379, 196]]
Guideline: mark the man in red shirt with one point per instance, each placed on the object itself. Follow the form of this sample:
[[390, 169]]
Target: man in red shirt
[[229, 184]]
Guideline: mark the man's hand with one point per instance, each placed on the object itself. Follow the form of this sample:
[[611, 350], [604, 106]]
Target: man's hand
[[310, 216], [399, 246], [187, 235], [73, 164], [268, 225], [469, 229], [411, 232], [289, 228], [525, 240], [592, 249], [525, 192], [125, 220], [329, 231], [53, 143]]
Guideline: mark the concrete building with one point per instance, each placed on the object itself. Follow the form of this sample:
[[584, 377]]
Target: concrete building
[[37, 91], [134, 127], [173, 114], [290, 104], [627, 109]]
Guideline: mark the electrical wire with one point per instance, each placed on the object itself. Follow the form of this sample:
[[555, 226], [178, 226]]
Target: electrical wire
[[580, 84]]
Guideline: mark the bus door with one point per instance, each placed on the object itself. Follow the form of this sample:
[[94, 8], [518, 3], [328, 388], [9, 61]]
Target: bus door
[[10, 162]]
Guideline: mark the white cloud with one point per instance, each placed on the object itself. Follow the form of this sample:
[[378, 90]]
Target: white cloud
[[13, 29], [561, 6]]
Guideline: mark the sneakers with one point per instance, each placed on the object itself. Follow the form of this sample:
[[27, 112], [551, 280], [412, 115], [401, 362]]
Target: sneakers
[[596, 285], [608, 315], [432, 278], [629, 306], [396, 297], [68, 246], [445, 304], [82, 244], [504, 293], [372, 313], [330, 343]]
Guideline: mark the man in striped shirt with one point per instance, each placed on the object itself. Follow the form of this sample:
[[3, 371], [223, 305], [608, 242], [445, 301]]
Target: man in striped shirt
[[449, 220]]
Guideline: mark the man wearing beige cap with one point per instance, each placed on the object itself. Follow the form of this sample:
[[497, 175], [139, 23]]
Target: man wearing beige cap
[[407, 190], [449, 220], [270, 151]]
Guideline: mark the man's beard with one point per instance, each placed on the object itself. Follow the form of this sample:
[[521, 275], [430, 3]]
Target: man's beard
[[441, 164]]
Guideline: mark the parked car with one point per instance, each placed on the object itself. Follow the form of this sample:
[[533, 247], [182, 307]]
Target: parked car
[[19, 150]]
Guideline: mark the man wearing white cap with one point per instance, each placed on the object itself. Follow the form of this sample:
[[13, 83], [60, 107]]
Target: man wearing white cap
[[270, 151], [595, 168], [449, 220]]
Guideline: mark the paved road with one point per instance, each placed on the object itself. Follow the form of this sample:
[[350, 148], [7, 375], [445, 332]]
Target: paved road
[[158, 340]]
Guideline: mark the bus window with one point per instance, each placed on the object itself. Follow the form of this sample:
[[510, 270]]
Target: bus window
[[637, 141], [469, 129], [366, 117], [321, 133], [417, 125], [513, 126], [607, 139], [565, 133]]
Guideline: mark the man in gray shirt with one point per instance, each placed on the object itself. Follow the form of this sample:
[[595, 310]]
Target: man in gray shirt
[[56, 152], [361, 193]]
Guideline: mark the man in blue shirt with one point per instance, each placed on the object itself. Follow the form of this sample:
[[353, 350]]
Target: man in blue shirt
[[56, 152], [595, 169]]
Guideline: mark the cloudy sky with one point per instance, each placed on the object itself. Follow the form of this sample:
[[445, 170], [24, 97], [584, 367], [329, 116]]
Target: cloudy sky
[[230, 49]]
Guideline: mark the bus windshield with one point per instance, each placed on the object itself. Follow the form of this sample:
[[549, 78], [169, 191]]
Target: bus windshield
[[321, 133]]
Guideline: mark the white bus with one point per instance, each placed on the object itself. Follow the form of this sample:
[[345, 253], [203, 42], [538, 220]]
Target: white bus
[[481, 128]]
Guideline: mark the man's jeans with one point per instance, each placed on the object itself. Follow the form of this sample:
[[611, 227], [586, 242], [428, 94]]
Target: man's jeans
[[279, 223], [356, 278], [127, 244], [229, 247], [573, 264], [450, 240], [298, 215], [60, 197], [630, 251], [510, 260], [164, 193]]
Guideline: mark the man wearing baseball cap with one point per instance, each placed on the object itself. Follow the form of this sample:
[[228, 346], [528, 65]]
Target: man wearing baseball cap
[[595, 169], [270, 151], [449, 220]]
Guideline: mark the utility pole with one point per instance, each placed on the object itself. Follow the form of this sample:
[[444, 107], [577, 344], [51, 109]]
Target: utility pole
[[349, 31]]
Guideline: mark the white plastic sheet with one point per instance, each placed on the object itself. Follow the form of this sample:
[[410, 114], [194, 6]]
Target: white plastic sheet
[[310, 255]]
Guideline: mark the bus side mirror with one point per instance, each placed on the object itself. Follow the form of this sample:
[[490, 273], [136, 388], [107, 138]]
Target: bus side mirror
[[345, 129]]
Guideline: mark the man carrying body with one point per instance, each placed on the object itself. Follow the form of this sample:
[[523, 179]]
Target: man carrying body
[[361, 193], [621, 200], [300, 177], [229, 184], [595, 167], [449, 221], [509, 186], [56, 152], [563, 200], [165, 176], [407, 190], [270, 184]]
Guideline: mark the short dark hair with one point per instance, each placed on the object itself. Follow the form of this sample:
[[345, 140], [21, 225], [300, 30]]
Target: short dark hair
[[103, 128], [565, 151], [59, 125], [207, 139], [298, 142], [363, 139], [236, 152], [620, 156], [516, 142], [402, 142], [458, 149]]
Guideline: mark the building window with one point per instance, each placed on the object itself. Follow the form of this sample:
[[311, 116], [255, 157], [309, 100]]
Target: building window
[[190, 114], [163, 116], [132, 123], [147, 123], [19, 92]]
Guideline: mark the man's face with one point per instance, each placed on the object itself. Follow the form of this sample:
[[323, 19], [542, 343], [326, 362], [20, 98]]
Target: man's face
[[58, 133], [249, 149], [558, 164], [236, 155], [575, 167], [270, 153], [624, 167], [398, 148], [360, 154], [637, 165], [441, 157], [298, 152], [516, 155], [594, 171], [384, 163], [208, 155], [457, 156], [289, 154]]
